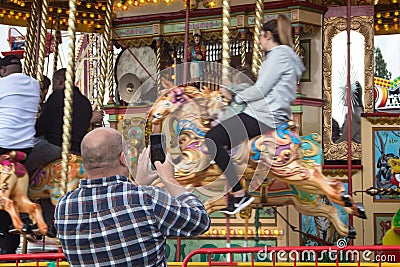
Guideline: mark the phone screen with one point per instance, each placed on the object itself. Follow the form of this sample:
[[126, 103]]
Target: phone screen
[[157, 148]]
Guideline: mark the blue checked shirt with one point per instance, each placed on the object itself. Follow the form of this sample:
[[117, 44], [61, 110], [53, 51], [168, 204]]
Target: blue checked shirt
[[111, 222]]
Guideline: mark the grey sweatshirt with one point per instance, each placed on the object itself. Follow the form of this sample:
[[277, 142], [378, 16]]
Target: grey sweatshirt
[[269, 99]]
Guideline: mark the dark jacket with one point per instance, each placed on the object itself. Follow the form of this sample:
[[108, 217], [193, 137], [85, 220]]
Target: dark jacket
[[50, 122]]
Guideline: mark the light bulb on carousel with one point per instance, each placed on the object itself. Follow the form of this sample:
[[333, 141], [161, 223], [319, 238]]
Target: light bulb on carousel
[[209, 3]]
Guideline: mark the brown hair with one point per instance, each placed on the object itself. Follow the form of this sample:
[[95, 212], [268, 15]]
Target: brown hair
[[281, 30], [45, 83]]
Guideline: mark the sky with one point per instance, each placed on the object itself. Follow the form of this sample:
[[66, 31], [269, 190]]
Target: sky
[[390, 47], [339, 69]]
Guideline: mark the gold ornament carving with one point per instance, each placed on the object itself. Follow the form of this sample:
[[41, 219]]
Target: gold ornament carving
[[332, 27]]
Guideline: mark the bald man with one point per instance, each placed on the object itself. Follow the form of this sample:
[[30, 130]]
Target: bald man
[[110, 221]]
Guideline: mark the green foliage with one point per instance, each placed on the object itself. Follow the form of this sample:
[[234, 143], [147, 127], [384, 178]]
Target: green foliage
[[380, 65]]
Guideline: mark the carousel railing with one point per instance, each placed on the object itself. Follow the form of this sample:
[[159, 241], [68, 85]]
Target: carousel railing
[[366, 256], [39, 259]]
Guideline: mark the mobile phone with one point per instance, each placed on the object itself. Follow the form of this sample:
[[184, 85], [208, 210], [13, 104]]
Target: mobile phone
[[157, 148]]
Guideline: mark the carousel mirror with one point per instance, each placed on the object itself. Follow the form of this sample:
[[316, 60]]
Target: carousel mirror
[[335, 83], [339, 85]]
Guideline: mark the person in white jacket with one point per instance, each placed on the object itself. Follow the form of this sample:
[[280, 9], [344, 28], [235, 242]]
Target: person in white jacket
[[268, 105], [19, 103]]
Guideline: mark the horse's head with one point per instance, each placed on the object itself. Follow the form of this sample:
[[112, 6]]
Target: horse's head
[[177, 96]]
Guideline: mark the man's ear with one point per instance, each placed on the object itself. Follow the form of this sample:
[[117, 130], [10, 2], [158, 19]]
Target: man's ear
[[123, 160], [268, 35]]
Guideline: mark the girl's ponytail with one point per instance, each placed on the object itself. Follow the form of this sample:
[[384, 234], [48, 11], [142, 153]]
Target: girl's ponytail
[[284, 30]]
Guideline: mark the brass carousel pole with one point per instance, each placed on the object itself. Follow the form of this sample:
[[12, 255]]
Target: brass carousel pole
[[56, 43], [158, 63], [68, 91], [226, 58], [243, 48], [257, 53], [28, 44], [226, 62], [31, 41], [104, 56], [42, 42], [111, 73]]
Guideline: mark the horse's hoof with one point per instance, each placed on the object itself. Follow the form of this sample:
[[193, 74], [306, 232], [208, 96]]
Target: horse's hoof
[[38, 235], [347, 200], [31, 238], [26, 228], [352, 233], [14, 231], [361, 211]]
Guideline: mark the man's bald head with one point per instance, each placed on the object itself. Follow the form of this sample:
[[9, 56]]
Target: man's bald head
[[101, 153]]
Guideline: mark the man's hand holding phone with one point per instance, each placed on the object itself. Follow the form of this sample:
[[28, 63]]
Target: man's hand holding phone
[[163, 164], [144, 174]]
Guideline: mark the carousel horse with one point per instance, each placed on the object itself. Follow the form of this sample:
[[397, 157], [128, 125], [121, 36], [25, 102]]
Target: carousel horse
[[293, 178], [14, 182], [16, 186]]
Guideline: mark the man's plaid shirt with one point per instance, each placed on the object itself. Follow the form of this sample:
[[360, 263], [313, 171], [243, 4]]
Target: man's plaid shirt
[[111, 222]]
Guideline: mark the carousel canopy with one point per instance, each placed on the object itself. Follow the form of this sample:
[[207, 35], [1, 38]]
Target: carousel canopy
[[89, 16]]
